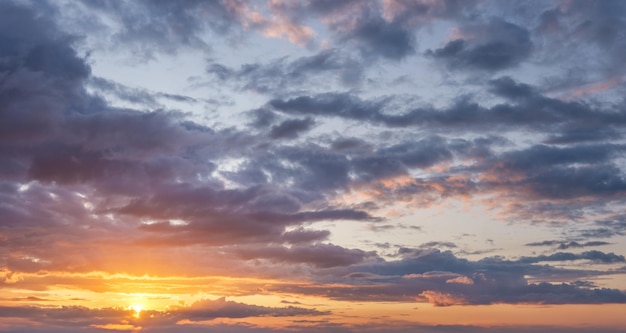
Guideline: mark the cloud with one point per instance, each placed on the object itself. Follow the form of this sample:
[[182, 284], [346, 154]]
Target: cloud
[[595, 256], [565, 27], [283, 75], [564, 245], [420, 12], [441, 299], [69, 317], [382, 38], [507, 87], [84, 161], [137, 96], [149, 27], [302, 235], [66, 316], [318, 255], [493, 46], [359, 23], [533, 112], [127, 152], [441, 278], [434, 244], [32, 63], [150, 192], [290, 129], [580, 166], [163, 323], [595, 22], [276, 25], [544, 167], [221, 308], [212, 219], [385, 30]]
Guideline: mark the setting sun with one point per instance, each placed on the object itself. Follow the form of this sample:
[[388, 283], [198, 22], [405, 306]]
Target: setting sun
[[137, 308]]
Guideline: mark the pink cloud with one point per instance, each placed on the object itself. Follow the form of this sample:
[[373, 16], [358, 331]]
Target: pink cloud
[[441, 299]]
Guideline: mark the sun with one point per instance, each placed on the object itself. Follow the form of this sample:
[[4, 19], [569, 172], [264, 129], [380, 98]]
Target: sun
[[137, 308]]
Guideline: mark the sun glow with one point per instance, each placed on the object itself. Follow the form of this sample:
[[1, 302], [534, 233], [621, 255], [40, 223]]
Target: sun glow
[[137, 308]]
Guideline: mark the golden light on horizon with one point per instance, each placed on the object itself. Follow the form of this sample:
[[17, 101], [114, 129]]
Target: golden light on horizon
[[137, 308]]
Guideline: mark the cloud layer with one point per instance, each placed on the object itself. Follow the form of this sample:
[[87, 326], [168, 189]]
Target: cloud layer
[[344, 118]]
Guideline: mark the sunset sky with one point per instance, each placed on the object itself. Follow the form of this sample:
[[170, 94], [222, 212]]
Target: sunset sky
[[312, 166]]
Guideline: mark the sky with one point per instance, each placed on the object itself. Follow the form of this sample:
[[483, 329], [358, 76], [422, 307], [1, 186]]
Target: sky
[[312, 166]]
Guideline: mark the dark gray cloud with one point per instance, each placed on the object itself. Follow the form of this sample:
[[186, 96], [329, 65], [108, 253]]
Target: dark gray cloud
[[382, 31], [585, 134], [601, 181], [381, 38], [532, 112], [595, 256], [377, 227], [349, 144], [492, 47], [262, 118], [290, 129], [41, 73], [312, 167], [507, 87], [564, 245], [430, 245], [578, 168], [212, 218], [443, 279], [329, 104], [616, 223], [605, 228]]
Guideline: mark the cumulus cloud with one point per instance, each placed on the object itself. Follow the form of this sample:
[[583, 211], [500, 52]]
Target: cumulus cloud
[[443, 279], [83, 160], [581, 167], [290, 129], [494, 46], [577, 24]]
